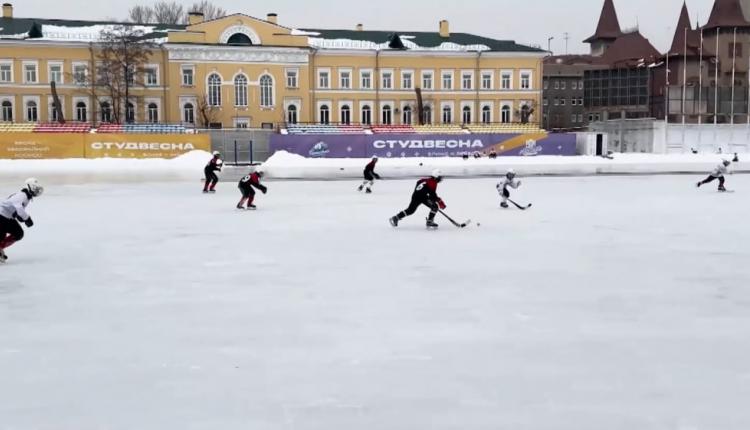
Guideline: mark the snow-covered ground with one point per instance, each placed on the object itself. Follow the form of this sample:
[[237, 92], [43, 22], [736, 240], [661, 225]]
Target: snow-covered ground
[[616, 303]]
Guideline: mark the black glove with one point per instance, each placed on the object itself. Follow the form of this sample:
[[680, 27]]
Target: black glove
[[29, 222], [264, 190], [376, 176]]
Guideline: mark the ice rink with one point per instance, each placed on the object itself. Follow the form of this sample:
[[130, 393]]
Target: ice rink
[[615, 303]]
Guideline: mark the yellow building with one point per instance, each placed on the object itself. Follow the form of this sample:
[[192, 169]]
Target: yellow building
[[240, 71]]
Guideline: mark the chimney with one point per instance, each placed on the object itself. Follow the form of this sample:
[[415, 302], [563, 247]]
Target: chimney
[[360, 27], [273, 18], [445, 30], [7, 10], [195, 17]]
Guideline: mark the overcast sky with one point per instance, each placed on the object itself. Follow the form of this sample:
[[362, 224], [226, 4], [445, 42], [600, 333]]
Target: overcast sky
[[529, 21]]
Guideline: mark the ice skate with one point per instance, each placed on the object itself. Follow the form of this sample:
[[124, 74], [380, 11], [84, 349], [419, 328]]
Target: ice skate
[[504, 205], [368, 191], [360, 188], [431, 224], [3, 256], [251, 207], [240, 207], [394, 221], [722, 189]]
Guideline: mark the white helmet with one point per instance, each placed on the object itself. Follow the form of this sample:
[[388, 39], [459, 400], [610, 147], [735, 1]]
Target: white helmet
[[726, 163], [36, 190], [260, 172], [216, 153], [510, 174], [437, 173]]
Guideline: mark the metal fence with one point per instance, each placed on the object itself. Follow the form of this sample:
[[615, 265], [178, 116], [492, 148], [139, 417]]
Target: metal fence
[[241, 146]]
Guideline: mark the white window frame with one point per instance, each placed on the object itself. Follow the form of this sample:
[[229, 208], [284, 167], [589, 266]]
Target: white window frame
[[545, 84], [362, 73], [392, 105], [187, 67], [482, 105], [343, 71], [125, 111], [470, 105], [241, 123], [297, 108], [350, 105], [443, 105], [85, 101], [431, 74], [319, 105], [530, 74], [510, 106], [38, 102], [76, 65], [557, 84], [236, 100], [260, 92], [443, 74], [61, 64], [545, 102], [563, 84], [319, 75], [50, 106], [383, 74], [184, 101], [431, 108], [503, 73], [362, 105], [8, 63], [146, 74], [147, 113], [464, 74], [489, 73], [404, 105], [25, 75], [288, 73], [404, 74], [221, 90]]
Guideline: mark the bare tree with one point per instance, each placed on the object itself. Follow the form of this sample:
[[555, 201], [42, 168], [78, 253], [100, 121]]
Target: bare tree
[[207, 114], [210, 11], [169, 12], [141, 14]]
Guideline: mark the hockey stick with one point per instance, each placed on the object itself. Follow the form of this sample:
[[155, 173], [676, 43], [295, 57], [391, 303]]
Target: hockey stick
[[464, 225], [523, 208]]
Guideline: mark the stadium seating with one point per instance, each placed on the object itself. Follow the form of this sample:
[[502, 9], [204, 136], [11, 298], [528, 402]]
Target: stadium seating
[[440, 129], [142, 128], [17, 128], [504, 128], [393, 129], [70, 127], [325, 129]]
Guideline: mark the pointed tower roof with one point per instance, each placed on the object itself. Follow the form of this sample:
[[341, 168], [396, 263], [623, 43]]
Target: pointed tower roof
[[631, 48], [726, 13], [609, 25], [693, 36]]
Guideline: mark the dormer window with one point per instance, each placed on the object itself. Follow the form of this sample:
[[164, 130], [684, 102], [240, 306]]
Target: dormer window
[[239, 39]]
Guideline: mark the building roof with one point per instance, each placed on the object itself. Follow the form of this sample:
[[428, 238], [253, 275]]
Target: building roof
[[726, 13], [353, 39], [73, 30], [684, 29], [609, 25], [630, 49]]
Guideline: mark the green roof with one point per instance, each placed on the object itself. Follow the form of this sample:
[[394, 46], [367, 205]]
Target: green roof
[[18, 26]]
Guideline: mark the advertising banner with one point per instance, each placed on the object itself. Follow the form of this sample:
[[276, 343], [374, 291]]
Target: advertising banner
[[424, 145], [18, 146]]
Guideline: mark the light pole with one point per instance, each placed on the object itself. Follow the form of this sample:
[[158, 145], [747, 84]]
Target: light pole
[[549, 43]]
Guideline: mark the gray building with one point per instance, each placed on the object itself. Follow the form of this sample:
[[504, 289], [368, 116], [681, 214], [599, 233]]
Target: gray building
[[563, 92]]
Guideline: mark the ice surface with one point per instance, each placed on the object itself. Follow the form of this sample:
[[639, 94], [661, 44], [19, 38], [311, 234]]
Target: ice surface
[[616, 303]]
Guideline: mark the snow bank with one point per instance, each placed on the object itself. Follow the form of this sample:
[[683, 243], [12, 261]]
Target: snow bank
[[285, 165]]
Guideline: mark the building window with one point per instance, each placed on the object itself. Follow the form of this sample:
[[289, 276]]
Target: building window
[[507, 80], [467, 81], [573, 118], [466, 115], [406, 115], [346, 115], [56, 73], [32, 111], [486, 115], [79, 73], [214, 90], [545, 102], [152, 76], [427, 115], [557, 101], [557, 85], [505, 114], [30, 74], [366, 80], [129, 113], [7, 111], [387, 115], [580, 118], [131, 73], [447, 115], [735, 49], [580, 85], [241, 123], [106, 112], [562, 102], [188, 113], [562, 85], [427, 80], [387, 80], [366, 115], [266, 91], [324, 80], [546, 84], [291, 78], [346, 80], [487, 81], [291, 114], [81, 112], [188, 77], [6, 72], [325, 114], [574, 85], [407, 81], [447, 80], [525, 80], [153, 113], [240, 90]]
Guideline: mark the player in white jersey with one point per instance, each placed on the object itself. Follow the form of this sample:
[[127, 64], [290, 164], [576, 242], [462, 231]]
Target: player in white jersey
[[718, 173], [503, 187], [12, 210]]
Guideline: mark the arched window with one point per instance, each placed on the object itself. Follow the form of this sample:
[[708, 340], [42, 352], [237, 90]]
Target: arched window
[[214, 90], [366, 115], [188, 113], [81, 112], [7, 111], [130, 113], [291, 114], [427, 115], [239, 39], [525, 114], [447, 115], [32, 111], [266, 91], [486, 115], [387, 115], [240, 90], [406, 116], [153, 113], [325, 114], [466, 115], [346, 115], [505, 114]]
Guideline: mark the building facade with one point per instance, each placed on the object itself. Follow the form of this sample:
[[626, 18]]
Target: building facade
[[563, 90], [241, 71]]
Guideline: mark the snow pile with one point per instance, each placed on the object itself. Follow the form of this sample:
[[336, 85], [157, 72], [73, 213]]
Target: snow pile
[[297, 32], [88, 33], [285, 165], [322, 43]]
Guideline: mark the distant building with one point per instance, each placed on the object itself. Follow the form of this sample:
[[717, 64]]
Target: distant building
[[563, 92]]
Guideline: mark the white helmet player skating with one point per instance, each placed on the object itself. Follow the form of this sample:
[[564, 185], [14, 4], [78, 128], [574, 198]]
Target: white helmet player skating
[[217, 154], [437, 173], [35, 189]]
